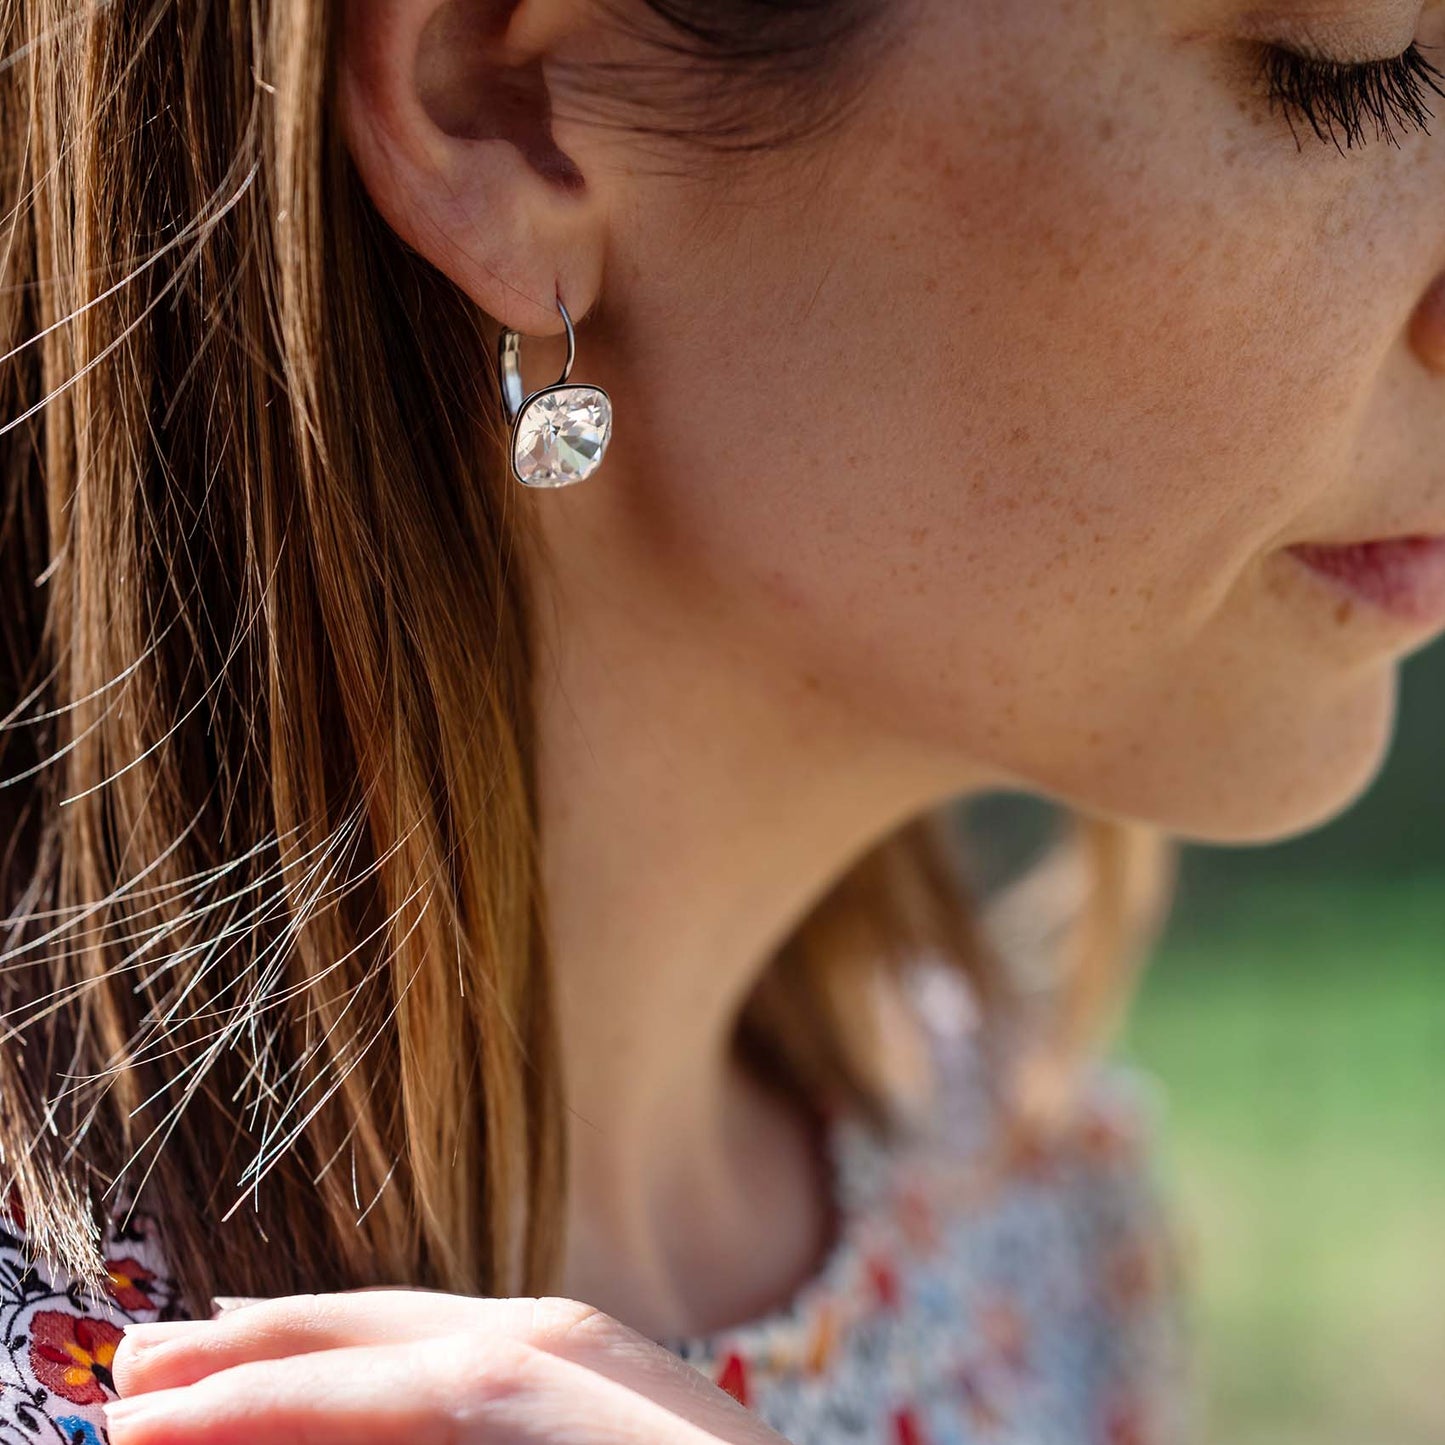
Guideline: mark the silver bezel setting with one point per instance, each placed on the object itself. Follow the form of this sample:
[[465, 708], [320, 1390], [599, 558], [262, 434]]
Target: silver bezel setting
[[516, 400], [517, 427]]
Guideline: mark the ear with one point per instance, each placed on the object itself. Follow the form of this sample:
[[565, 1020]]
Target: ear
[[445, 109]]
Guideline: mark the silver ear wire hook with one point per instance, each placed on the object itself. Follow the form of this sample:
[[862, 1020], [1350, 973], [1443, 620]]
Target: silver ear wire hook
[[559, 433], [510, 358]]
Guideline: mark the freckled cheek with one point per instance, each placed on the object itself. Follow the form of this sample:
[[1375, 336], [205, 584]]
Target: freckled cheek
[[1101, 392], [1158, 386], [1115, 278]]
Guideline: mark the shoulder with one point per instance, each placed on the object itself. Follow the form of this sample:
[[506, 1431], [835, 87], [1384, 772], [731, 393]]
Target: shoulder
[[1112, 1129], [1078, 1228], [57, 1339], [1104, 1160]]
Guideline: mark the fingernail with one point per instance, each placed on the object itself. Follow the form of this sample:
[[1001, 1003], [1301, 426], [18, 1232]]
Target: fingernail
[[137, 1339], [125, 1412], [220, 1303], [152, 1332]]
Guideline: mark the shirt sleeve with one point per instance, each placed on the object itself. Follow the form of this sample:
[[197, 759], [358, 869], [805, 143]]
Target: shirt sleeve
[[57, 1340]]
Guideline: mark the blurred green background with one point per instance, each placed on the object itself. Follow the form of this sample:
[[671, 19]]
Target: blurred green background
[[1296, 1016]]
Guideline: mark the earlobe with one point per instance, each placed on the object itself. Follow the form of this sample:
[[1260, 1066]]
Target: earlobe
[[445, 110]]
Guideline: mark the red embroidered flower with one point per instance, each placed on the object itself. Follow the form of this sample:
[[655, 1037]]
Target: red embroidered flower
[[126, 1281], [1006, 1331], [1125, 1423], [1132, 1273], [917, 1218], [71, 1354], [1032, 1158], [884, 1280], [906, 1430], [1109, 1135], [733, 1377]]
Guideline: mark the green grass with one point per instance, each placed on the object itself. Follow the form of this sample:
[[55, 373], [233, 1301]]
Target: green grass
[[1300, 1034]]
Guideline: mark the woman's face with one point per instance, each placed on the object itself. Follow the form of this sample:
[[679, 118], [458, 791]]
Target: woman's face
[[993, 416], [981, 432]]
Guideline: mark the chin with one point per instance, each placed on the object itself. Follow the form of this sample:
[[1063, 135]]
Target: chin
[[1279, 772], [1320, 771]]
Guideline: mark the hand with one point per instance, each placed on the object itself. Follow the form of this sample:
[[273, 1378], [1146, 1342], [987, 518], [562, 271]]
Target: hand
[[413, 1367]]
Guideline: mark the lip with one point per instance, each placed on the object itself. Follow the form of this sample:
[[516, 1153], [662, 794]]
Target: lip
[[1402, 576]]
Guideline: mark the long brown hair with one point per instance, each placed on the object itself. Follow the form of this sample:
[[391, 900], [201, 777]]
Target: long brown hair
[[275, 948]]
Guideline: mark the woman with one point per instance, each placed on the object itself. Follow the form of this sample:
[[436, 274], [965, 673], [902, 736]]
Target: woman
[[536, 901]]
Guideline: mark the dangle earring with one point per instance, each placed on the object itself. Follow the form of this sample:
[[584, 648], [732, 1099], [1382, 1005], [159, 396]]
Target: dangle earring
[[560, 433]]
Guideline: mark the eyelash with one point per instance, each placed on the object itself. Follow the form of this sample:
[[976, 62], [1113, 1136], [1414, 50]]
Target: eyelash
[[1330, 93]]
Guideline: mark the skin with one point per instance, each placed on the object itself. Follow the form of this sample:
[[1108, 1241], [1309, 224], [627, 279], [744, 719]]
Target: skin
[[960, 449]]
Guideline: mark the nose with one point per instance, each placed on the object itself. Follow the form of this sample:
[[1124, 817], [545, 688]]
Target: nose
[[1427, 328]]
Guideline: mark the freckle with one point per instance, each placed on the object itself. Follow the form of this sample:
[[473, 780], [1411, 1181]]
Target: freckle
[[1107, 128], [1020, 435], [1345, 611], [781, 587], [918, 536], [931, 285]]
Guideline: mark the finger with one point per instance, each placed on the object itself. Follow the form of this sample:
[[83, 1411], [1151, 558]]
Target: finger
[[456, 1390], [177, 1353], [170, 1353]]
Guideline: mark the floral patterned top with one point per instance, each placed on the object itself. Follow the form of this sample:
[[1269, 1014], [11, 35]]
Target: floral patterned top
[[964, 1305], [956, 1306], [57, 1341]]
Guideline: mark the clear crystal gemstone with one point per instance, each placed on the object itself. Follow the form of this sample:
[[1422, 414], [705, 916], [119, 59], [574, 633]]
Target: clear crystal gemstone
[[562, 435]]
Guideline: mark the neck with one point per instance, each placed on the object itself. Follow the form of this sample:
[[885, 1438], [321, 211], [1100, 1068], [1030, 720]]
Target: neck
[[695, 803]]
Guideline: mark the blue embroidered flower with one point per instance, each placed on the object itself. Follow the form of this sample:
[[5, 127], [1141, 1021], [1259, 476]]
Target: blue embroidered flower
[[78, 1431]]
